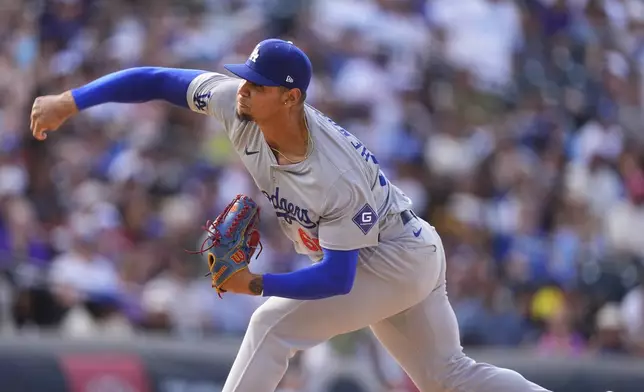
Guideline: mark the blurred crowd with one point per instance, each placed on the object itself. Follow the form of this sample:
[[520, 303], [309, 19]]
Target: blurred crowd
[[515, 127]]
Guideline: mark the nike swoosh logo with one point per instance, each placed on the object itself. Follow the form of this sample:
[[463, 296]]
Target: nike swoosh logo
[[250, 152], [417, 233]]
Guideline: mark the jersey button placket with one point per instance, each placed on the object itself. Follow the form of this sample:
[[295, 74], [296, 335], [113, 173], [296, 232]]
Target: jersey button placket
[[281, 221], [274, 179]]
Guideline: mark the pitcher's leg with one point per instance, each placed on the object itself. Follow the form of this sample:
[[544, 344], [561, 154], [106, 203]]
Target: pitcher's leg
[[425, 341], [280, 327]]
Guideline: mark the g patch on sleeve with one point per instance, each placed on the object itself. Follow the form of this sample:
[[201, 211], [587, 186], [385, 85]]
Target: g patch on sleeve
[[366, 218]]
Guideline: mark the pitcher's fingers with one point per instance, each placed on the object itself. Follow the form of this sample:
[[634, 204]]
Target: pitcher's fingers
[[39, 131], [42, 135], [32, 119]]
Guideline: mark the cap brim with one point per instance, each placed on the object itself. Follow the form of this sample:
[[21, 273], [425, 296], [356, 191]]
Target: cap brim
[[247, 73]]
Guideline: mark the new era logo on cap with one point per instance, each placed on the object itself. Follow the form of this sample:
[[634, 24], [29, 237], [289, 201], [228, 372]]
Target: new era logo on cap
[[289, 79]]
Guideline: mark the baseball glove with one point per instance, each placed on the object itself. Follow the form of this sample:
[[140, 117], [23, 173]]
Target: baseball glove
[[232, 238]]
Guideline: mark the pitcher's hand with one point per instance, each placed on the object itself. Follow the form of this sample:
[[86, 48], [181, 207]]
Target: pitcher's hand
[[49, 112]]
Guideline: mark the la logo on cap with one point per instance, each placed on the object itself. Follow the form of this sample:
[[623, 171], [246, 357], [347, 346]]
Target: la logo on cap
[[253, 56]]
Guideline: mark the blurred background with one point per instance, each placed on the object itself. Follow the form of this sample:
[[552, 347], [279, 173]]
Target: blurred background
[[514, 125]]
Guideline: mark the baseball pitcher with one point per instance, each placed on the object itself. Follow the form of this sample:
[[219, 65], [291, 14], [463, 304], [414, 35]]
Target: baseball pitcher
[[375, 263]]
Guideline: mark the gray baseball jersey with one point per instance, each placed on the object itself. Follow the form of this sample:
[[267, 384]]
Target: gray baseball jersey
[[333, 199]]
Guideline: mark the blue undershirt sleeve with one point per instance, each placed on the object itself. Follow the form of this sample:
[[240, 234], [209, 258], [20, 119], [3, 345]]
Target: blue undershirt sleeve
[[136, 85], [333, 275]]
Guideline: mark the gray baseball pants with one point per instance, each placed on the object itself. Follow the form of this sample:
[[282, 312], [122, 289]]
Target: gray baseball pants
[[399, 292]]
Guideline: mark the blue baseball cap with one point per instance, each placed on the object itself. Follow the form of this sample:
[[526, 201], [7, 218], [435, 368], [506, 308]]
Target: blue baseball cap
[[275, 62]]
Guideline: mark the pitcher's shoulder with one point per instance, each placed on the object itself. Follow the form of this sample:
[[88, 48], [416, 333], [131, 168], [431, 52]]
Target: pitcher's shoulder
[[339, 146]]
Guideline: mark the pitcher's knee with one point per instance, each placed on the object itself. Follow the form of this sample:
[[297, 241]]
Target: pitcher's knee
[[275, 318], [267, 324], [272, 328], [263, 322]]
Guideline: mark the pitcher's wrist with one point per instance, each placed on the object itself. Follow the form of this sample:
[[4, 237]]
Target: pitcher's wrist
[[69, 103]]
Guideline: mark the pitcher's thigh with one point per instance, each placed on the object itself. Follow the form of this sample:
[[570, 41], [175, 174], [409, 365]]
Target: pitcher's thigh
[[303, 324], [423, 339]]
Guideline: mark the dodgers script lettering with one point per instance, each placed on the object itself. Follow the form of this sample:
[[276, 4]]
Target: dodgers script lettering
[[288, 211]]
